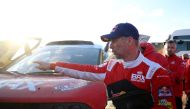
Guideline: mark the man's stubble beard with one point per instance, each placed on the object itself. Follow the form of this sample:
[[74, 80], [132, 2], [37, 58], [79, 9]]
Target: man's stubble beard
[[170, 53]]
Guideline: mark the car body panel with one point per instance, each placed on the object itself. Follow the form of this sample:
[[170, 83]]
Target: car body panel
[[17, 88]]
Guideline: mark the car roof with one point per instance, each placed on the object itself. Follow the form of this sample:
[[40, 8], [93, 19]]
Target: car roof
[[71, 42], [75, 43], [79, 46]]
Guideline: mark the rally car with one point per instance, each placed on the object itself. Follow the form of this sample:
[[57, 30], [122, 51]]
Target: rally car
[[22, 86]]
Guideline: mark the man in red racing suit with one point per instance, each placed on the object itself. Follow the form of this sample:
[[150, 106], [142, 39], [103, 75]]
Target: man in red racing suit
[[176, 70], [140, 73], [187, 83]]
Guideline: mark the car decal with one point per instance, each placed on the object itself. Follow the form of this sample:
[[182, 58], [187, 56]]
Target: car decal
[[19, 84], [32, 84], [70, 85]]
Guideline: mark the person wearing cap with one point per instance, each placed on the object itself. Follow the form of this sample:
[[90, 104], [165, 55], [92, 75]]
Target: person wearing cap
[[133, 81], [176, 70]]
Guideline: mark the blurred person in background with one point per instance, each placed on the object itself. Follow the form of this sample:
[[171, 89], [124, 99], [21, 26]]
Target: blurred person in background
[[176, 70], [185, 57]]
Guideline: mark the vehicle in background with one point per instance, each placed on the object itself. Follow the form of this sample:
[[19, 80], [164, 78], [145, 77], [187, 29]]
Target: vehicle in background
[[71, 42], [23, 86], [182, 37], [144, 38], [11, 50]]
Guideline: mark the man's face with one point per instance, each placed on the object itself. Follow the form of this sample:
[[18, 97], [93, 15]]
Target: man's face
[[120, 47], [170, 49]]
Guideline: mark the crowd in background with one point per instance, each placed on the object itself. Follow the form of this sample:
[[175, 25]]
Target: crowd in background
[[178, 68]]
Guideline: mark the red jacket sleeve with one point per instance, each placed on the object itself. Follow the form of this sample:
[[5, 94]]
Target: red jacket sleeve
[[81, 67], [178, 70]]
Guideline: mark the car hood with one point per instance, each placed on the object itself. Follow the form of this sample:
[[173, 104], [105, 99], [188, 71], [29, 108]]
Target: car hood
[[48, 89]]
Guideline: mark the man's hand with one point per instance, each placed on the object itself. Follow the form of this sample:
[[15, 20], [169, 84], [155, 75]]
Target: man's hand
[[42, 65]]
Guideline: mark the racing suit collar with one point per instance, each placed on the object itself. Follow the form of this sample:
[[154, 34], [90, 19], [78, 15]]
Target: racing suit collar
[[134, 63], [170, 56]]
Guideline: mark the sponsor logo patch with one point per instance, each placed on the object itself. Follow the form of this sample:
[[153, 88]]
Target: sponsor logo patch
[[164, 102], [114, 29], [173, 62], [138, 77], [164, 91]]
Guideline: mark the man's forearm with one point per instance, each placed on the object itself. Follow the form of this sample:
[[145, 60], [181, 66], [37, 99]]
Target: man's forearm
[[91, 76]]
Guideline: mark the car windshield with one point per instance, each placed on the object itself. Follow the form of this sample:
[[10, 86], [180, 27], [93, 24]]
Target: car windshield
[[71, 54]]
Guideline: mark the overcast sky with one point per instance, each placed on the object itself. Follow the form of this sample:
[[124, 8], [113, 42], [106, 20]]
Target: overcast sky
[[88, 19]]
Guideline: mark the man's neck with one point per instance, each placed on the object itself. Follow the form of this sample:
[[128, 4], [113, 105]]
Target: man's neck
[[170, 55], [132, 56]]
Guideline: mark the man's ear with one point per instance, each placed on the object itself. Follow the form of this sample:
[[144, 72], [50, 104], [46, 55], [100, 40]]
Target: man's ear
[[130, 40]]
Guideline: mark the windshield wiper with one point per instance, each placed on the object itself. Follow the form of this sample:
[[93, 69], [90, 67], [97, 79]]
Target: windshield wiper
[[41, 72], [16, 72]]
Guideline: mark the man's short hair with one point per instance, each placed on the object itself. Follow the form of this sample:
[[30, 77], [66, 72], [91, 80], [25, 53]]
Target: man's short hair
[[170, 42], [185, 56]]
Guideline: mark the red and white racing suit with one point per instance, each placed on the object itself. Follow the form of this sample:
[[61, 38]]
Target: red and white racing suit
[[142, 73], [177, 70]]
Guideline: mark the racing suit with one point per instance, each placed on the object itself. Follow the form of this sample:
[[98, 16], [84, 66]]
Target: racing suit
[[177, 70], [142, 73], [150, 53], [187, 77], [187, 83]]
